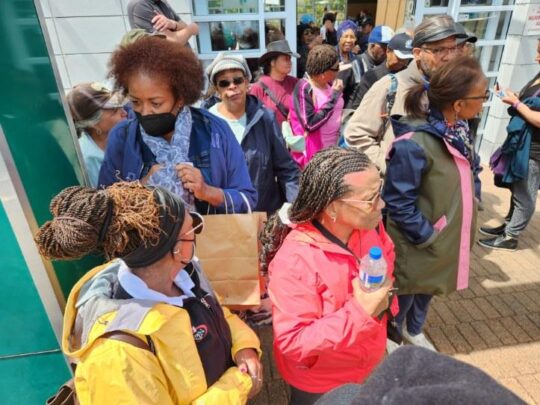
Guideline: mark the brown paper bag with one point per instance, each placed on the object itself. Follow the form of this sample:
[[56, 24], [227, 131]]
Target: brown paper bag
[[228, 249]]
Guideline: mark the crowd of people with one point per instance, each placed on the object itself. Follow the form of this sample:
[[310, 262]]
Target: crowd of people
[[371, 146]]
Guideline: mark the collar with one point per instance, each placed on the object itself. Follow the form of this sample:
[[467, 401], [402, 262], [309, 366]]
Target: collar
[[138, 289]]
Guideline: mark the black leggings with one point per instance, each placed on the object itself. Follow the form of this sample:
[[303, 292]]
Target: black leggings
[[299, 397]]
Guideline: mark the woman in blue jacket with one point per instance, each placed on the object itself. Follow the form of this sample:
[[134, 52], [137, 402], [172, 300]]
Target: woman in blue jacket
[[273, 172], [169, 144]]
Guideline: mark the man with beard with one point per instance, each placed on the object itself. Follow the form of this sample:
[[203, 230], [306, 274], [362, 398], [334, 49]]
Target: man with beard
[[434, 44]]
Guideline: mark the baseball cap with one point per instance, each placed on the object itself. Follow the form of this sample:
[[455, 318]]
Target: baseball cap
[[381, 34], [86, 99], [401, 44], [435, 29]]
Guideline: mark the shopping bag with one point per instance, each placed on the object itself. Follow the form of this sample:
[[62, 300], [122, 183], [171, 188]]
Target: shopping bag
[[228, 249]]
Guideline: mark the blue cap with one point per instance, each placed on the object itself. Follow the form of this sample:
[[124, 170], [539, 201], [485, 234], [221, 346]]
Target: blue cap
[[381, 34], [307, 19], [375, 253]]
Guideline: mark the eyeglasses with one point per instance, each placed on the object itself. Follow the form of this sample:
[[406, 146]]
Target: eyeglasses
[[226, 83], [196, 228], [334, 68], [485, 97], [371, 202], [442, 51]]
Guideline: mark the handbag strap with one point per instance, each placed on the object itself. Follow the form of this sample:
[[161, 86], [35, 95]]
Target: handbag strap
[[282, 109]]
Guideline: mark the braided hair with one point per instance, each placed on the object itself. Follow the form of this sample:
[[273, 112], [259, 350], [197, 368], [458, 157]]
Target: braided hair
[[115, 221], [321, 183]]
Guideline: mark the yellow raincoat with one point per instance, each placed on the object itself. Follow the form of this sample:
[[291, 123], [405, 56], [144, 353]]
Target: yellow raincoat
[[114, 372]]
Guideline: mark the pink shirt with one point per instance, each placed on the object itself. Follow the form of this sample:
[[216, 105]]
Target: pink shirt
[[330, 130], [282, 90]]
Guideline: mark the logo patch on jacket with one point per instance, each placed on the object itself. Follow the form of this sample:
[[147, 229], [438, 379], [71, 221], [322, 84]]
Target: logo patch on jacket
[[199, 332]]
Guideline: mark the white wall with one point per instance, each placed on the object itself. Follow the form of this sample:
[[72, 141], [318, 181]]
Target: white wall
[[83, 34], [517, 68]]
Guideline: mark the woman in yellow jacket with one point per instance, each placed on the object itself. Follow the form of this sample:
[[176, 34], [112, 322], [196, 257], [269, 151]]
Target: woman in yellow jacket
[[198, 352]]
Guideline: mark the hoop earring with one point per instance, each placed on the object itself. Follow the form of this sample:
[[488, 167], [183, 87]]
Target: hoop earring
[[333, 219]]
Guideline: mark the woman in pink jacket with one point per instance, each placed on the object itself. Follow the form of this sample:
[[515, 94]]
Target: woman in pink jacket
[[327, 330]]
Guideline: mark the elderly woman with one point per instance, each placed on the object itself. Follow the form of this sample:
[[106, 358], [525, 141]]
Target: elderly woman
[[95, 110], [275, 87], [327, 330], [188, 151], [153, 297], [273, 172], [316, 105], [523, 130], [429, 191]]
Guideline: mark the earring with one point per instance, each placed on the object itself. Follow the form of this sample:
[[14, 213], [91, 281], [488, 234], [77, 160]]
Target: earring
[[456, 116], [333, 218], [176, 251]]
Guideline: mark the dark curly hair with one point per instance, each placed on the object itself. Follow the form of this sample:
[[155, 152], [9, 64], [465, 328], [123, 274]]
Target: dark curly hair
[[320, 184], [157, 57], [320, 59]]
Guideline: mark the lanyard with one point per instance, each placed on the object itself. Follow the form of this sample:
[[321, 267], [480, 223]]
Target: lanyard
[[334, 239]]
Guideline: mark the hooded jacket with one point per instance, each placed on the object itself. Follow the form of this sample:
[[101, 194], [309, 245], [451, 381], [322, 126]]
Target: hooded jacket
[[112, 371], [323, 338], [429, 196], [273, 172], [213, 150]]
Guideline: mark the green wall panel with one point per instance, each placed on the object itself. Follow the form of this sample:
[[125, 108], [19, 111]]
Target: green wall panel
[[25, 331], [34, 121]]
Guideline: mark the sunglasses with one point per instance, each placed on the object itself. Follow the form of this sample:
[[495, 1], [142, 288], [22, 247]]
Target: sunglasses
[[226, 83]]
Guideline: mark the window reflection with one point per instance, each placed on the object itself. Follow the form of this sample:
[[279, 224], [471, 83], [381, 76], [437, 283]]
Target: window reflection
[[225, 7], [274, 5], [487, 25], [274, 30], [228, 35]]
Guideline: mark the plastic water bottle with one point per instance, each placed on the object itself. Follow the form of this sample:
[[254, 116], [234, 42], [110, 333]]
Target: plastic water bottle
[[372, 270]]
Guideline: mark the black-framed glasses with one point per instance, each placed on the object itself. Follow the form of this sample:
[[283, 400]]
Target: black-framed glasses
[[226, 83], [485, 97], [334, 68]]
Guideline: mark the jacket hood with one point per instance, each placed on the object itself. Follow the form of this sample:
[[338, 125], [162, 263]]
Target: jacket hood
[[403, 125], [91, 311]]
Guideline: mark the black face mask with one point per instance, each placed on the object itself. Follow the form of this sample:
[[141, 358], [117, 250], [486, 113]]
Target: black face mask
[[157, 124]]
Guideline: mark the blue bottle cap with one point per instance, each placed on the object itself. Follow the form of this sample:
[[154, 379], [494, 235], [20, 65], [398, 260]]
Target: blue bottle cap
[[375, 253]]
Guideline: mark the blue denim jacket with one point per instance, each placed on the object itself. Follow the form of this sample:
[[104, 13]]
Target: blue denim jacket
[[213, 150]]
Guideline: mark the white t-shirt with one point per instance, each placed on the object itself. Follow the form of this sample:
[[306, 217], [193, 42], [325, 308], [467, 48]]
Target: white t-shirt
[[237, 126]]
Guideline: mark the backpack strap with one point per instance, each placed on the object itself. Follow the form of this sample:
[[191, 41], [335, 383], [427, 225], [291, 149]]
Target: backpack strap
[[131, 339], [390, 100], [279, 105], [67, 395]]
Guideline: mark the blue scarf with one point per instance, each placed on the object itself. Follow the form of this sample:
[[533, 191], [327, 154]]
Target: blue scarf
[[458, 134]]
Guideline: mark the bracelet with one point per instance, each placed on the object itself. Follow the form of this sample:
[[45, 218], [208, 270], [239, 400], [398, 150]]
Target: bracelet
[[516, 104]]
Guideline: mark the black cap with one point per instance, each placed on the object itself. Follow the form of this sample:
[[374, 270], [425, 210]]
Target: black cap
[[401, 45], [435, 29]]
